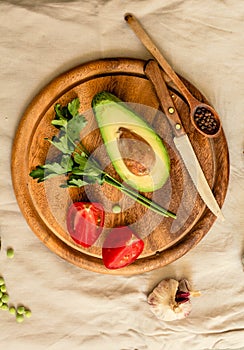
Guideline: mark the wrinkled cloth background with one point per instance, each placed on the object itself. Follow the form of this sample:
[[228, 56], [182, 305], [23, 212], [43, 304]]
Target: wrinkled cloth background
[[78, 309]]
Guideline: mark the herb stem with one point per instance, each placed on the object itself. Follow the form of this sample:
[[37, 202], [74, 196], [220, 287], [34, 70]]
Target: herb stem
[[138, 197], [83, 150]]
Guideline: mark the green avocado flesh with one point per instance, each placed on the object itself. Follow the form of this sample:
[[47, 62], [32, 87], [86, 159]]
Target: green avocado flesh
[[135, 150]]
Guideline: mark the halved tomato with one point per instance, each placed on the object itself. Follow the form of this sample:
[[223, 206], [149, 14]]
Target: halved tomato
[[121, 248], [85, 222]]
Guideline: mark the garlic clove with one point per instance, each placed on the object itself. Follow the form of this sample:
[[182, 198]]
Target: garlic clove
[[170, 300]]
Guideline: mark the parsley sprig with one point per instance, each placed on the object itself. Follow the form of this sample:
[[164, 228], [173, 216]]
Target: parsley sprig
[[76, 164]]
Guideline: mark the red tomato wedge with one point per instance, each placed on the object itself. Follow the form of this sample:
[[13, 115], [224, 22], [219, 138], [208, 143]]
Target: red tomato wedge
[[121, 248], [85, 222]]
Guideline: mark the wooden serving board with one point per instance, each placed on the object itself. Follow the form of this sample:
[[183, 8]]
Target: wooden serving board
[[44, 205]]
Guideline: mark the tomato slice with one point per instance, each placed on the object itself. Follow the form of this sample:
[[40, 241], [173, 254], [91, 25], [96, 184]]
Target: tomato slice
[[85, 222], [121, 248]]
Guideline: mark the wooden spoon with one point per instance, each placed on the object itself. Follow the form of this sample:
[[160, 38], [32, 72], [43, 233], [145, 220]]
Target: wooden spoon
[[204, 118]]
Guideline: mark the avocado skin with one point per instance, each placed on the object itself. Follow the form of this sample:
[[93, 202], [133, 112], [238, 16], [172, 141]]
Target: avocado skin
[[141, 183], [104, 97]]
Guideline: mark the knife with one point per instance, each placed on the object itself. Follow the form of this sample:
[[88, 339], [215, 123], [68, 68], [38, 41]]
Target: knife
[[181, 140]]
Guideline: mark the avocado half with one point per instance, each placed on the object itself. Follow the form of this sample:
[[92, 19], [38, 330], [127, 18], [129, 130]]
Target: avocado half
[[135, 150]]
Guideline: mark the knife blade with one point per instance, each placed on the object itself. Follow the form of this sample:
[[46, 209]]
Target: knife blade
[[181, 140]]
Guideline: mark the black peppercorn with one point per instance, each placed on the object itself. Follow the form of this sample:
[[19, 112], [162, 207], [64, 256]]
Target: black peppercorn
[[206, 121]]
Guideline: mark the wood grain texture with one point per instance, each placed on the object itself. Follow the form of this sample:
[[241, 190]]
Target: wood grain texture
[[44, 205]]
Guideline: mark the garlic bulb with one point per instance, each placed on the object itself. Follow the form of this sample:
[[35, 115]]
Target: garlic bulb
[[170, 300]]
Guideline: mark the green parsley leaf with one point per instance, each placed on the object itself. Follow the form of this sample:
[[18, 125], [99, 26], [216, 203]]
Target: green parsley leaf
[[86, 167], [38, 173], [73, 107], [94, 179], [67, 163], [66, 113], [59, 111], [77, 183], [48, 170], [70, 129], [74, 127], [62, 112], [63, 144], [59, 122], [41, 173], [80, 158], [54, 168]]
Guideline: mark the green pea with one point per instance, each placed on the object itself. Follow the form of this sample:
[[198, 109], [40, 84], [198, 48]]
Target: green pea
[[3, 288], [12, 310], [4, 307], [10, 253], [116, 209], [19, 318], [1, 281], [1, 303], [20, 310], [28, 313], [5, 298], [1, 294]]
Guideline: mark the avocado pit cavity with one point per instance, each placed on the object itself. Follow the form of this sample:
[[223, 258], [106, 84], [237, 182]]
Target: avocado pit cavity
[[137, 154]]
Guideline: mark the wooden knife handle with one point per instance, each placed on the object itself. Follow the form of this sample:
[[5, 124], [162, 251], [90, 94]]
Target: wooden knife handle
[[155, 75]]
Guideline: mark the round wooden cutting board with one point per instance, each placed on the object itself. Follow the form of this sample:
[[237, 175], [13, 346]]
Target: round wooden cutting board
[[45, 205]]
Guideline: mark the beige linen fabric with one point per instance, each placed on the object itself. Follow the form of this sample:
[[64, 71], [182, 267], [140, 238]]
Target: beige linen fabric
[[77, 309]]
